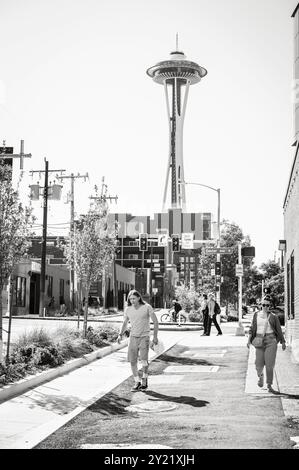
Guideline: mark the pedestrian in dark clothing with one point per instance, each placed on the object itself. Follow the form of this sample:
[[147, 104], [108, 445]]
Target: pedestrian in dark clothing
[[214, 310], [205, 314], [176, 309]]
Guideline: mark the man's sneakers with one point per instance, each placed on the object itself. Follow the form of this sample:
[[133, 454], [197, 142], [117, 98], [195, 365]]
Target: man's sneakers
[[270, 389], [261, 380], [136, 387], [140, 386], [144, 384]]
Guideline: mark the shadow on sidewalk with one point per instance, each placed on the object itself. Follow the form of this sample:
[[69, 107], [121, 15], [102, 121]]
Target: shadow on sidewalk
[[184, 399], [186, 361]]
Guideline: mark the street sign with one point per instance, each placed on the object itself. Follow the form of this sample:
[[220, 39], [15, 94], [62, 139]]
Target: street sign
[[187, 241], [223, 250], [239, 270], [156, 270], [162, 239]]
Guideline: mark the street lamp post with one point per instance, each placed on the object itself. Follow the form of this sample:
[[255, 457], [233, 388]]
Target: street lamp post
[[218, 223]]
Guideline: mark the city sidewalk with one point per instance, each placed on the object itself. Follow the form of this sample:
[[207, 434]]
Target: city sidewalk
[[29, 418]]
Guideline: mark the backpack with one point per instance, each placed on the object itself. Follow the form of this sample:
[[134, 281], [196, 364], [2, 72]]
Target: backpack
[[217, 309]]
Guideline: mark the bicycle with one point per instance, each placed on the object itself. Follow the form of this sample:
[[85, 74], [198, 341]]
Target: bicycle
[[168, 318]]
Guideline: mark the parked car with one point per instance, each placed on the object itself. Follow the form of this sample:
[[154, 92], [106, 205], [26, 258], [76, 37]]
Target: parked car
[[279, 311]]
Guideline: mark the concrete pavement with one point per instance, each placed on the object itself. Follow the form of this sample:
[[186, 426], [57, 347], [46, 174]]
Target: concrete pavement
[[29, 418]]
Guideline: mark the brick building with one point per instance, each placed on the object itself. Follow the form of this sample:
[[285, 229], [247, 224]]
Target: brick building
[[291, 219]]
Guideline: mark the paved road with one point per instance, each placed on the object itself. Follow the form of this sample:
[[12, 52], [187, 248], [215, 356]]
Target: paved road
[[200, 396], [22, 325]]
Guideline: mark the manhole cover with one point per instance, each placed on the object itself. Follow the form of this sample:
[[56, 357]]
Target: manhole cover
[[125, 445], [152, 407]]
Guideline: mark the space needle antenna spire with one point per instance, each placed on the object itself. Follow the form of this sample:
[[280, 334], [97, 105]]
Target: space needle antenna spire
[[176, 74]]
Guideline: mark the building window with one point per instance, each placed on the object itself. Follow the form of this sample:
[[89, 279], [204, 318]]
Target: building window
[[291, 288], [20, 291], [132, 256], [50, 286], [61, 287]]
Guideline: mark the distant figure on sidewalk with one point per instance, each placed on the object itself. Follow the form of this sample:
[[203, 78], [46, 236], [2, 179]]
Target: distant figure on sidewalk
[[266, 325], [205, 314], [139, 314], [176, 309], [214, 310]]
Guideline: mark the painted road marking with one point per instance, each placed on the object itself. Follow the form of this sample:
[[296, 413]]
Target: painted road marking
[[163, 380], [125, 445], [190, 369]]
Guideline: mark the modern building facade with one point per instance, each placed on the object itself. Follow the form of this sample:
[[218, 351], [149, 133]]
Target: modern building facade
[[159, 269], [291, 219]]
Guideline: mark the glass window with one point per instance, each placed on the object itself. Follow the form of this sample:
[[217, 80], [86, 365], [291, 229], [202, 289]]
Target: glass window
[[50, 286], [20, 291], [61, 287]]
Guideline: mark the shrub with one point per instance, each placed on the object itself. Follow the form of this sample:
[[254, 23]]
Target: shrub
[[37, 336], [195, 316], [38, 349], [101, 336], [232, 318], [72, 347]]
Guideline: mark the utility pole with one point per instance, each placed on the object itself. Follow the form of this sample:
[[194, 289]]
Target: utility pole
[[44, 237], [104, 198], [73, 287], [7, 153]]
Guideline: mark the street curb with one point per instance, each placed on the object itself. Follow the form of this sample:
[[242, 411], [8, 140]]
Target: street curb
[[23, 385]]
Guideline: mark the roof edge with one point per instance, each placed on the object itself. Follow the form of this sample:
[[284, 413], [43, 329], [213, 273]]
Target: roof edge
[[291, 174], [295, 11]]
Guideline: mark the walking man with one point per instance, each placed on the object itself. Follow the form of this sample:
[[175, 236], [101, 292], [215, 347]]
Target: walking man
[[205, 314], [214, 310], [139, 313]]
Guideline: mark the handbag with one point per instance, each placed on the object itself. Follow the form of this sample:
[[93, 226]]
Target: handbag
[[257, 342]]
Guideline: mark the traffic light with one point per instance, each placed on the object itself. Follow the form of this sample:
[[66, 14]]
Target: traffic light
[[218, 268], [248, 251], [175, 243], [143, 242]]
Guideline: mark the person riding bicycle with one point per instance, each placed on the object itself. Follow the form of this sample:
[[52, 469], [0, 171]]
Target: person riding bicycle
[[176, 307]]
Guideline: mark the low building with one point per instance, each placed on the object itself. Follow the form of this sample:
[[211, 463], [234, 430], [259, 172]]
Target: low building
[[26, 287]]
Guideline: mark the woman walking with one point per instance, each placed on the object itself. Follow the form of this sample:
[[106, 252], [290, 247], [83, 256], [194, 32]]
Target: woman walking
[[265, 333]]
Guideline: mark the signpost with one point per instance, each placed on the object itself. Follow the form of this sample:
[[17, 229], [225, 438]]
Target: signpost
[[187, 241], [223, 250]]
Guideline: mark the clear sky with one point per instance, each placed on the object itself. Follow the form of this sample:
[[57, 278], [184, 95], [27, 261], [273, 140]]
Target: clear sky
[[73, 85]]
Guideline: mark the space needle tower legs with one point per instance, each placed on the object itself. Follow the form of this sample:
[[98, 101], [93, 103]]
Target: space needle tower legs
[[176, 75]]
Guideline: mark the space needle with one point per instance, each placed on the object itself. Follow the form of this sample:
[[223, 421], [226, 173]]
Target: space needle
[[176, 74]]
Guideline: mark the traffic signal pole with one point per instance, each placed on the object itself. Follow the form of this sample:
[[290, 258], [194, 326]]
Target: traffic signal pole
[[240, 329]]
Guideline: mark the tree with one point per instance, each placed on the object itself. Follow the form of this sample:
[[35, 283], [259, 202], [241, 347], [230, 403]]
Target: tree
[[274, 278], [187, 297], [15, 223], [92, 249]]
